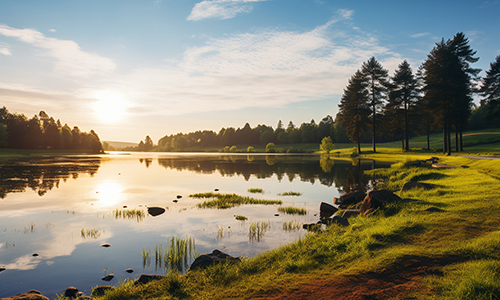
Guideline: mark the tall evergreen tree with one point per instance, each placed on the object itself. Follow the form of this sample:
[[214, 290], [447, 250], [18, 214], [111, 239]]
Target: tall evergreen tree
[[376, 87], [403, 94], [354, 108], [490, 88]]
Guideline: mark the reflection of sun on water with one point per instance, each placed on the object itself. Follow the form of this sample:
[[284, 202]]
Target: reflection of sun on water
[[110, 106], [109, 194]]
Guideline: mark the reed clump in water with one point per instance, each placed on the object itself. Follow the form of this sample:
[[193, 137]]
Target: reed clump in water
[[290, 210], [224, 201], [137, 214], [257, 230], [90, 233], [291, 226]]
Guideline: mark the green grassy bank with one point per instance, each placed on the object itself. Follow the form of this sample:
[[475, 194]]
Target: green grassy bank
[[457, 249]]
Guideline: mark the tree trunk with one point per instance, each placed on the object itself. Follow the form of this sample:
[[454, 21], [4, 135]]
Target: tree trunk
[[461, 141], [449, 140], [456, 138], [407, 128], [428, 139], [373, 132], [445, 139]]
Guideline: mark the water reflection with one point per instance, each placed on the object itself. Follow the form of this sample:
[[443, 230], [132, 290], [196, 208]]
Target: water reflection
[[42, 174]]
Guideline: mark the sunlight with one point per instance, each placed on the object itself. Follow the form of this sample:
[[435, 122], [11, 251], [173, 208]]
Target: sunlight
[[109, 193], [110, 107]]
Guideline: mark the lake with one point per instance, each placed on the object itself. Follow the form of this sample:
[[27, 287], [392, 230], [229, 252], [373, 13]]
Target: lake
[[56, 212]]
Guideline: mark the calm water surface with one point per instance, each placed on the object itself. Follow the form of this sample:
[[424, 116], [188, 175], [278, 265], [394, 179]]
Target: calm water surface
[[63, 209]]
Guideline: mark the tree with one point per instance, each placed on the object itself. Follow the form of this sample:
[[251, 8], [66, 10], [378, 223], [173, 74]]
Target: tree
[[327, 144], [66, 136], [354, 108], [270, 148], [376, 78], [490, 89], [148, 143], [402, 96]]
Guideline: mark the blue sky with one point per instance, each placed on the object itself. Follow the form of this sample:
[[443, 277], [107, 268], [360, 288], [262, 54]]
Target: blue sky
[[128, 69]]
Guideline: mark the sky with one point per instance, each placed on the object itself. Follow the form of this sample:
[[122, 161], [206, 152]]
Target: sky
[[131, 68]]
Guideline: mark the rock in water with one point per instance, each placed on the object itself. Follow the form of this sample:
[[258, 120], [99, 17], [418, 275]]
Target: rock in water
[[216, 256], [326, 210], [30, 295], [105, 245], [2, 269], [129, 270], [155, 211], [108, 277]]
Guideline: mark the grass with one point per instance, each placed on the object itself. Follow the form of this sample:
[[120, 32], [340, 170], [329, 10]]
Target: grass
[[290, 210], [90, 233], [137, 214], [290, 194], [256, 191], [463, 240], [224, 201], [174, 258], [291, 226], [241, 218]]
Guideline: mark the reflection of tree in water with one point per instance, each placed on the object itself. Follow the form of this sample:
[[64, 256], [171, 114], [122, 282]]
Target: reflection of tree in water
[[42, 174], [146, 161], [344, 174]]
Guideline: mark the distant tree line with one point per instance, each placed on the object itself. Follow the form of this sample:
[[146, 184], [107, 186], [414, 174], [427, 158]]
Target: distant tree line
[[437, 98], [43, 132]]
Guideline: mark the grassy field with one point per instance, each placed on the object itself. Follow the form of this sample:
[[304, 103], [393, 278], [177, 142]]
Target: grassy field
[[401, 252]]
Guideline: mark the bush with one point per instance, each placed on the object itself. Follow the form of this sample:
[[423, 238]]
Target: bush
[[250, 149], [233, 149], [270, 148]]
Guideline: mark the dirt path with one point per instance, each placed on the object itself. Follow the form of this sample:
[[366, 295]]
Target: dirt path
[[397, 282], [481, 157]]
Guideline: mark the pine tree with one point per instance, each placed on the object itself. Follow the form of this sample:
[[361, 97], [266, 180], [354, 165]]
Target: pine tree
[[490, 89]]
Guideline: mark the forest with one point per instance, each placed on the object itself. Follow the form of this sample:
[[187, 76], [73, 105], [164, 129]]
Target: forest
[[379, 108], [43, 132]]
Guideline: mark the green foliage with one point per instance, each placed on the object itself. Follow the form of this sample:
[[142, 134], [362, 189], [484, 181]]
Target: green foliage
[[256, 191], [290, 194], [250, 149], [290, 210], [241, 218], [224, 201], [233, 149], [327, 144]]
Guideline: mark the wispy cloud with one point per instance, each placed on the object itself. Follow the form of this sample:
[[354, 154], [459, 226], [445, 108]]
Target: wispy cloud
[[221, 9], [419, 35], [52, 30], [69, 58], [5, 51]]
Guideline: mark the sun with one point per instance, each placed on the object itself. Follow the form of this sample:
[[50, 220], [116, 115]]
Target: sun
[[110, 106]]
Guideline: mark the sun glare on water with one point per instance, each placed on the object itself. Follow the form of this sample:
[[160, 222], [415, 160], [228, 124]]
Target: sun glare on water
[[110, 106]]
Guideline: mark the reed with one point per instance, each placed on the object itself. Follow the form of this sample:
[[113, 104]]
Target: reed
[[146, 258], [290, 194], [257, 230], [290, 210], [256, 191], [179, 253], [137, 214], [291, 226], [224, 201], [90, 233]]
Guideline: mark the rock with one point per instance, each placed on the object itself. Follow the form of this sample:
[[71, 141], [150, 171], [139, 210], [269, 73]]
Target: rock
[[101, 290], [348, 213], [179, 196], [35, 254], [129, 270], [71, 292], [2, 269], [105, 245], [377, 199], [312, 226], [335, 220], [349, 199], [216, 190], [464, 167], [326, 210], [155, 211], [108, 277], [434, 209], [30, 295], [145, 278], [416, 185], [124, 206], [216, 256], [175, 201], [276, 215]]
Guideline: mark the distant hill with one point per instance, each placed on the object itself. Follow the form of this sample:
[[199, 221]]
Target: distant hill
[[120, 145]]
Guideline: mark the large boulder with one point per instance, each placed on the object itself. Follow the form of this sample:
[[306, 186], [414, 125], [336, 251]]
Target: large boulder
[[216, 256], [377, 199], [30, 295], [156, 211], [326, 210], [71, 292], [349, 199]]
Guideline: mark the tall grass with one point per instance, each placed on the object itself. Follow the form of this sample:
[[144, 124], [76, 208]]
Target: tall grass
[[137, 214], [90, 233], [256, 191], [257, 230], [290, 210], [290, 194], [291, 226], [176, 256], [224, 201]]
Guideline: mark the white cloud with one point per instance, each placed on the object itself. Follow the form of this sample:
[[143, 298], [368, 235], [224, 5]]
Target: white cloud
[[5, 51], [52, 30], [69, 58], [221, 9], [419, 35]]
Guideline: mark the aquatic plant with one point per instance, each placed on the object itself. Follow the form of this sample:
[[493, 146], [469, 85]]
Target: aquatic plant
[[146, 258], [256, 191], [137, 214], [257, 230], [223, 201], [221, 232], [290, 194], [90, 233], [178, 253], [241, 218], [290, 210], [291, 226]]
